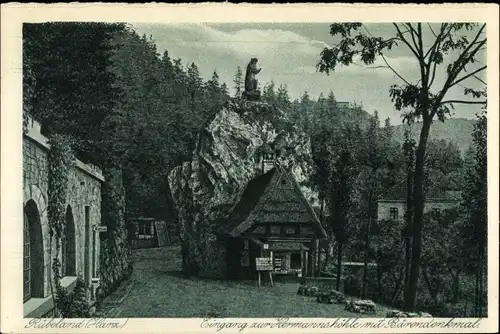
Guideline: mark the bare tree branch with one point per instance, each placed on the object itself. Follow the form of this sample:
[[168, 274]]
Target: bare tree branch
[[394, 71], [460, 63], [371, 67], [479, 79], [386, 62], [463, 102], [432, 30], [424, 72], [413, 33], [437, 42], [404, 40], [468, 76]]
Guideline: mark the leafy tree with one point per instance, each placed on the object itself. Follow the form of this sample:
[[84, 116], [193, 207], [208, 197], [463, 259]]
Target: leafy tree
[[61, 76], [409, 154], [335, 158], [442, 256], [443, 161], [372, 161], [475, 201], [386, 246], [416, 100]]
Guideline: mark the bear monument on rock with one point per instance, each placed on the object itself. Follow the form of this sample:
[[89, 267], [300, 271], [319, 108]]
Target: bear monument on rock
[[251, 93]]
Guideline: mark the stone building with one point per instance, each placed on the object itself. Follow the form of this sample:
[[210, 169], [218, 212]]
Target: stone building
[[394, 208], [79, 253]]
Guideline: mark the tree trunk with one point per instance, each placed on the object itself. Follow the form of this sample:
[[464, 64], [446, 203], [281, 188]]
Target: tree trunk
[[339, 265], [322, 210], [476, 286], [419, 198], [456, 286], [379, 282], [367, 247], [408, 229], [481, 283], [327, 256]]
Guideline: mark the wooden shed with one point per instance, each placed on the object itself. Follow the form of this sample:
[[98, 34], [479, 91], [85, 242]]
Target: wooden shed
[[272, 219]]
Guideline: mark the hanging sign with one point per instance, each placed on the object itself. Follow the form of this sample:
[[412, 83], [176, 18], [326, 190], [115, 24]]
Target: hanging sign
[[100, 228]]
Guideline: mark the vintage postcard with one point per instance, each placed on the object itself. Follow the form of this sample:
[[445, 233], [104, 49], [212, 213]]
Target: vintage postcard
[[233, 168]]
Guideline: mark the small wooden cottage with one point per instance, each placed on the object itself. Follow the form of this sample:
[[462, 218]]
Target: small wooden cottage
[[272, 219], [149, 233]]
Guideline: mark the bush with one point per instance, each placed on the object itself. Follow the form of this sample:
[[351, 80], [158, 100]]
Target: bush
[[74, 304]]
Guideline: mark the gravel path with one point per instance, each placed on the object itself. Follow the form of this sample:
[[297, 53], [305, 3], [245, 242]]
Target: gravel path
[[157, 289]]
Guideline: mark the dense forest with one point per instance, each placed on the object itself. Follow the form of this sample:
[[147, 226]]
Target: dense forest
[[122, 103]]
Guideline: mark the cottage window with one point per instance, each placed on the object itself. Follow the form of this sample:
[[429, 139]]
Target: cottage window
[[275, 229], [268, 156], [436, 211], [393, 214]]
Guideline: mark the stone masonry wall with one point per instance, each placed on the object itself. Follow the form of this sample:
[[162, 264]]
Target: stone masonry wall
[[84, 191]]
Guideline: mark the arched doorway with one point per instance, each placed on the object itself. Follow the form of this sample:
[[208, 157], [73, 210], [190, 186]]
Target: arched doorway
[[33, 273], [68, 245]]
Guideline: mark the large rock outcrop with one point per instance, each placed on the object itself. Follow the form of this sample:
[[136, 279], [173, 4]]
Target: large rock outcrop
[[227, 156]]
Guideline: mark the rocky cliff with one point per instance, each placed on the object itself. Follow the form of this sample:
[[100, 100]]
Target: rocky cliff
[[227, 156]]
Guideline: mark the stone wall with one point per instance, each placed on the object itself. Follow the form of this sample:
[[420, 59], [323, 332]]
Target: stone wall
[[84, 202], [116, 251]]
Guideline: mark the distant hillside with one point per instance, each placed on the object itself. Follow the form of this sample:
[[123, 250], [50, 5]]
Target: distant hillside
[[456, 130]]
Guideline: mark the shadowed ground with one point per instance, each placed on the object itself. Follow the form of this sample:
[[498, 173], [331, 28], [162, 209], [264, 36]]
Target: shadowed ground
[[157, 289]]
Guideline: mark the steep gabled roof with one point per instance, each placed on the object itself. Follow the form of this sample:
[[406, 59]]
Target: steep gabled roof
[[253, 192], [253, 199]]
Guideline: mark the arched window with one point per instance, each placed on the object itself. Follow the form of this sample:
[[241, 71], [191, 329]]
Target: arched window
[[33, 264], [68, 262]]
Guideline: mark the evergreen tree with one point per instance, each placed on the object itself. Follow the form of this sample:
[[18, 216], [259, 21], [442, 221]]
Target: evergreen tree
[[269, 94], [238, 82], [283, 99], [331, 101]]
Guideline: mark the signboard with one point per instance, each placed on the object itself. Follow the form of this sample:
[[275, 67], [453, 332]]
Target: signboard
[[263, 263], [161, 233], [100, 228], [277, 264]]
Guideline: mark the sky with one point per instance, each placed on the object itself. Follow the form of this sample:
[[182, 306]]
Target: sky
[[288, 54]]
